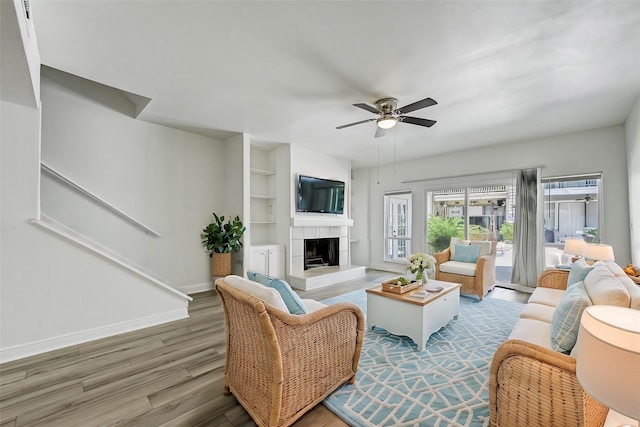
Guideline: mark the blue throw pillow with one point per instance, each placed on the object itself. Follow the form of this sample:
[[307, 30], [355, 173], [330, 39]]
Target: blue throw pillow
[[578, 272], [466, 253], [565, 322], [251, 276], [290, 298]]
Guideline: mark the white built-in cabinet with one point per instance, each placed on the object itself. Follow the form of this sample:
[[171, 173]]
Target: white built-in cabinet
[[268, 259]]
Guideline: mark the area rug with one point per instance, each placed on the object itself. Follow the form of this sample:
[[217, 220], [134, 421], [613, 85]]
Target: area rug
[[445, 385]]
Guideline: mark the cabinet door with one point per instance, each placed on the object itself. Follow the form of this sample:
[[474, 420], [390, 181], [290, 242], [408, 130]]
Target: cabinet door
[[259, 260], [276, 262]]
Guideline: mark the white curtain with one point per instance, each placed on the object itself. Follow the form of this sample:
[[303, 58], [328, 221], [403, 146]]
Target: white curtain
[[527, 235]]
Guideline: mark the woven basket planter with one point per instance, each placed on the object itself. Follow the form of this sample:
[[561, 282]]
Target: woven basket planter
[[221, 264]]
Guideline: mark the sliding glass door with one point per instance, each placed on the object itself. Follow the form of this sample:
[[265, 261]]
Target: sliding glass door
[[474, 213]]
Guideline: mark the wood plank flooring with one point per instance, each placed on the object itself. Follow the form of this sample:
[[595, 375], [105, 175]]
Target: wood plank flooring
[[168, 375]]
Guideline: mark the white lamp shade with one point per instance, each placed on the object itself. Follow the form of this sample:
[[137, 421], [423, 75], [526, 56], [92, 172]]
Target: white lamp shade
[[599, 252], [574, 246], [608, 357]]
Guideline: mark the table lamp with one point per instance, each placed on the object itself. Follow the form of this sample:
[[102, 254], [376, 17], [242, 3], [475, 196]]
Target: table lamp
[[574, 247], [608, 357], [599, 252]]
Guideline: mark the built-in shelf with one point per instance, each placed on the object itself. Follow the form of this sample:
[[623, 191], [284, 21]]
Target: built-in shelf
[[262, 222], [262, 172], [258, 196]]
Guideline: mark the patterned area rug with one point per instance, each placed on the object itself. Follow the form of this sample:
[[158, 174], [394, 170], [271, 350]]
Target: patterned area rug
[[446, 385]]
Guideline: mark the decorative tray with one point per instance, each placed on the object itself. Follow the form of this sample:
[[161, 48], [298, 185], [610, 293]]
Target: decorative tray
[[391, 286]]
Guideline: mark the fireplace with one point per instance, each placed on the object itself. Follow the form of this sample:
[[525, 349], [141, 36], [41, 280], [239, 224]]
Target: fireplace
[[321, 252]]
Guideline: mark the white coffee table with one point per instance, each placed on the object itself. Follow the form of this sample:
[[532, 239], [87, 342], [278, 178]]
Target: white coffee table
[[416, 318]]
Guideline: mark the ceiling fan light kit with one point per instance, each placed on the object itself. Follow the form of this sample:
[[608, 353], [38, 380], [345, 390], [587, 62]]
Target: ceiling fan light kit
[[387, 122], [390, 115]]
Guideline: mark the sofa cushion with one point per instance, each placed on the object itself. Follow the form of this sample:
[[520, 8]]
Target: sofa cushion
[[565, 322], [546, 296], [604, 288], [294, 304], [456, 241], [466, 253], [485, 247], [266, 294], [633, 289], [457, 267], [578, 272], [533, 331], [541, 312]]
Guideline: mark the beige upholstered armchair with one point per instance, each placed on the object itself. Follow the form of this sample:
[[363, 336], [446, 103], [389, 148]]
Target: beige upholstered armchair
[[476, 278], [280, 365]]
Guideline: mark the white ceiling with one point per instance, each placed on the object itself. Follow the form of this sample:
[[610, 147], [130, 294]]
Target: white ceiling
[[288, 72]]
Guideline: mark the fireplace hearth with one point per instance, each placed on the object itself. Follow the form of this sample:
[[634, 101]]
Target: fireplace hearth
[[321, 252]]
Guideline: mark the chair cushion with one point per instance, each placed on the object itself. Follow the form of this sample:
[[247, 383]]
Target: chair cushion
[[466, 253], [546, 296], [541, 312], [264, 293], [457, 267], [456, 241], [578, 272], [604, 288], [485, 247], [533, 331], [313, 305], [290, 298], [566, 318]]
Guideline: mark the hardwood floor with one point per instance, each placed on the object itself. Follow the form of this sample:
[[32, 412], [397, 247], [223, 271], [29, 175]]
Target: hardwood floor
[[168, 375]]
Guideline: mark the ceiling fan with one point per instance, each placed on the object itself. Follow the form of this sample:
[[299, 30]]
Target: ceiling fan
[[390, 115], [586, 199]]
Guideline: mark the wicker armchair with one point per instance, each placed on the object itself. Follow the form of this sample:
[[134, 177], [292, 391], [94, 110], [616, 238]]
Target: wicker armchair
[[481, 283], [536, 387], [280, 365]]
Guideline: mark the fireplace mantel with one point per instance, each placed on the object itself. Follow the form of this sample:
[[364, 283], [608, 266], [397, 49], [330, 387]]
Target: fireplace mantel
[[320, 221]]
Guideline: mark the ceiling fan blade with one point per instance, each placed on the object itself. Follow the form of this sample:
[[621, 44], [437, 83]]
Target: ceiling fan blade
[[427, 102], [379, 132], [368, 107], [356, 123], [418, 121]]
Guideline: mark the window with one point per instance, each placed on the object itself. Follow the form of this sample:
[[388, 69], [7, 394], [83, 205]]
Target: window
[[397, 226], [571, 208]]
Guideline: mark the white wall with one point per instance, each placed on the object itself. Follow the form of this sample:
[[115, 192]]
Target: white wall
[[632, 129], [592, 151], [236, 192], [54, 293], [168, 179]]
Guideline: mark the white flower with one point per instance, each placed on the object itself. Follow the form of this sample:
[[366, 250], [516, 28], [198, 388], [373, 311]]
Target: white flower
[[420, 261]]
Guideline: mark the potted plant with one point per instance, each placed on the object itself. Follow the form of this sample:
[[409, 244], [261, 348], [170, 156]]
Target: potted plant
[[220, 238]]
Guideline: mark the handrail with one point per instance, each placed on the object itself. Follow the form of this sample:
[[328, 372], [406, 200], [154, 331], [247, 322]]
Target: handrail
[[81, 189], [83, 241]]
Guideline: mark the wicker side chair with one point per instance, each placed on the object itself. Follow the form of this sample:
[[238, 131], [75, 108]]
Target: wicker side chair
[[536, 387], [280, 365], [479, 284]]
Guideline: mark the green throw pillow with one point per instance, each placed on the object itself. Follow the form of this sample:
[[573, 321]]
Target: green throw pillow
[[466, 253], [578, 272], [290, 298], [565, 322]]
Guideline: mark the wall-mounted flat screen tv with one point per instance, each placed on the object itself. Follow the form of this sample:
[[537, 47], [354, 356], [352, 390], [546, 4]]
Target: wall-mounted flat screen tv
[[320, 195]]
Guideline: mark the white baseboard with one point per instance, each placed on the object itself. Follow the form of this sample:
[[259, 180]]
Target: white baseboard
[[196, 287], [43, 346]]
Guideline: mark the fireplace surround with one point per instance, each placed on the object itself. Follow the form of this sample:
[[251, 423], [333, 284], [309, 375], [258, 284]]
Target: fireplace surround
[[321, 252]]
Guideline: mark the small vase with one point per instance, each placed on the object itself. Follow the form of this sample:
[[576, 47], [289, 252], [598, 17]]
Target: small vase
[[420, 277]]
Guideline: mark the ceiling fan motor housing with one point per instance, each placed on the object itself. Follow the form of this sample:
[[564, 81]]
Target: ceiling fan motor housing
[[387, 105]]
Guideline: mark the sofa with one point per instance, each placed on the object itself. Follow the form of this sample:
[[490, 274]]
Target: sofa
[[475, 272], [279, 365], [533, 379]]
